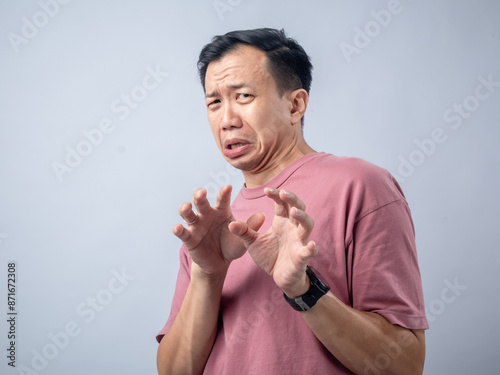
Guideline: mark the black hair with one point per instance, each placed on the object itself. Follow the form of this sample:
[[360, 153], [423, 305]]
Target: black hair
[[288, 63]]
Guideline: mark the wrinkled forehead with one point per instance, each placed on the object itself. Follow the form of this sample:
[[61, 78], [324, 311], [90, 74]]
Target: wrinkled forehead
[[244, 65]]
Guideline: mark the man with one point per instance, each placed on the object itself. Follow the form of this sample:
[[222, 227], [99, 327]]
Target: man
[[313, 268]]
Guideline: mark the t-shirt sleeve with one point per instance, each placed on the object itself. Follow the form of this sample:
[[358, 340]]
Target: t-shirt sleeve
[[183, 279], [385, 273]]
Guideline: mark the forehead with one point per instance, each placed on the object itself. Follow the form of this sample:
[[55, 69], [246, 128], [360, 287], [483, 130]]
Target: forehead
[[244, 65]]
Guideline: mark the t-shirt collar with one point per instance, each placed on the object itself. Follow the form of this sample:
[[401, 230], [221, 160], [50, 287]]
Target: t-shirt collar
[[279, 179]]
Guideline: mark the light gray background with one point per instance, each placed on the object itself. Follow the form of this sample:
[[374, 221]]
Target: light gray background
[[115, 210]]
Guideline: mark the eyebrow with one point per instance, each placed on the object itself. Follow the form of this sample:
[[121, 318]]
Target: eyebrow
[[233, 87]]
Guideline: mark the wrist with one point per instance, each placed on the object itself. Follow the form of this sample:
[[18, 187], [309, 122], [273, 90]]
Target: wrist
[[307, 300], [299, 289], [215, 277]]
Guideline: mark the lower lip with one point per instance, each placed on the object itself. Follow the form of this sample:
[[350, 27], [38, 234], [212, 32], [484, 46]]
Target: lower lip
[[235, 152]]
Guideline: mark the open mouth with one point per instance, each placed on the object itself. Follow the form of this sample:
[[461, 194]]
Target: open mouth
[[235, 147]]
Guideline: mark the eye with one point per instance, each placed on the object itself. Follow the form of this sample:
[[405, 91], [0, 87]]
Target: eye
[[216, 101], [244, 97]]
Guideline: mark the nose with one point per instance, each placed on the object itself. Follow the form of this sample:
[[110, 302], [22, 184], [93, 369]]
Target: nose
[[230, 117]]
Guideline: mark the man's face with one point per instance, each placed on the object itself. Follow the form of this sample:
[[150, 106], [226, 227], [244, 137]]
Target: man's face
[[250, 121]]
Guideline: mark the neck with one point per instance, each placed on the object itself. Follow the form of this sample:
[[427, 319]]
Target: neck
[[256, 179]]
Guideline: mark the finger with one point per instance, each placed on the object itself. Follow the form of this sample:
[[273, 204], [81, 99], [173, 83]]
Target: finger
[[304, 221], [309, 251], [244, 231], [248, 231], [292, 199], [256, 220], [180, 232], [186, 212], [201, 202], [280, 207], [224, 197]]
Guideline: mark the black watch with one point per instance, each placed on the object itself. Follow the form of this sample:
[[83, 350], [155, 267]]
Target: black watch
[[317, 290]]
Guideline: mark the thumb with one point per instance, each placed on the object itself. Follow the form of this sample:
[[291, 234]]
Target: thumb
[[309, 251], [256, 220], [247, 231]]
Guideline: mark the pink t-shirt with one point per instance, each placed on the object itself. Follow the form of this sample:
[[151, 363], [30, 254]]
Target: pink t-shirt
[[365, 236]]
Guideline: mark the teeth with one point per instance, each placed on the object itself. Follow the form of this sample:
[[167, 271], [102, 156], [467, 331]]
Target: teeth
[[235, 145]]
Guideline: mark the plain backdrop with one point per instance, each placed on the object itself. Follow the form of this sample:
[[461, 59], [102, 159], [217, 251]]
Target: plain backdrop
[[103, 134]]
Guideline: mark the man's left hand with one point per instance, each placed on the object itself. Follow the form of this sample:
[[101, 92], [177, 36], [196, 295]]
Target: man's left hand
[[284, 250]]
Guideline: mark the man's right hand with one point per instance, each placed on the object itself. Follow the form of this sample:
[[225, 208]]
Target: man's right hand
[[208, 240]]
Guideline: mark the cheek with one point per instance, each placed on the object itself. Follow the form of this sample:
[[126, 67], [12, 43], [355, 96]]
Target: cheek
[[271, 124]]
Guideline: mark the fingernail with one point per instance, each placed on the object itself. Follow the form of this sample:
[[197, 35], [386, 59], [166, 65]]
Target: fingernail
[[272, 190], [288, 194]]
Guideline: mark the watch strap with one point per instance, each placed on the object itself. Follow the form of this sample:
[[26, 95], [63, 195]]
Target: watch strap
[[317, 290]]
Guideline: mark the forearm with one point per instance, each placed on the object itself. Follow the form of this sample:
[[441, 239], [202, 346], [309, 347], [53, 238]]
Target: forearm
[[186, 346], [363, 340]]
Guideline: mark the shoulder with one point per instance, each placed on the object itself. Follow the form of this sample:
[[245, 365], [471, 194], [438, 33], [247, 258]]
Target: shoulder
[[351, 168], [358, 177]]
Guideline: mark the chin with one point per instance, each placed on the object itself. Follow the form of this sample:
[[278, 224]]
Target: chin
[[243, 165]]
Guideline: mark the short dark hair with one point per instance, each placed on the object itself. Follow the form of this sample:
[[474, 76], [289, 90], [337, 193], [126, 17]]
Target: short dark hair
[[288, 63]]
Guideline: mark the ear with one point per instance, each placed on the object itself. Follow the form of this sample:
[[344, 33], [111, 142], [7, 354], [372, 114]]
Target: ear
[[298, 105]]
